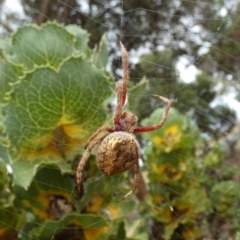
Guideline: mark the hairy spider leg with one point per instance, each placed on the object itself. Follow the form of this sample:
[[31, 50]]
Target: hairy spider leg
[[162, 121], [125, 73], [84, 160], [101, 129], [135, 181], [121, 87]]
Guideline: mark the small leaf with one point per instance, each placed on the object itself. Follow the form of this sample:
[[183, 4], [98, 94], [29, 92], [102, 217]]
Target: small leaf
[[237, 237], [120, 232], [214, 157], [134, 94], [100, 53], [9, 223], [49, 196], [176, 133], [90, 225], [25, 171]]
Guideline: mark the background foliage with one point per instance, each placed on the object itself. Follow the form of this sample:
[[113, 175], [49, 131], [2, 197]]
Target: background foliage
[[55, 91]]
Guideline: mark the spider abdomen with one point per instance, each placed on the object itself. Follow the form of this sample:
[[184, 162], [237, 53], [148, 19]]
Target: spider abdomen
[[118, 152]]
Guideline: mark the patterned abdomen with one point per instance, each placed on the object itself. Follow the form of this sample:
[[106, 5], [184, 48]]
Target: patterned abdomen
[[118, 152]]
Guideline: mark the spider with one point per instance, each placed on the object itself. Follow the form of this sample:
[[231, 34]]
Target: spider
[[119, 150]]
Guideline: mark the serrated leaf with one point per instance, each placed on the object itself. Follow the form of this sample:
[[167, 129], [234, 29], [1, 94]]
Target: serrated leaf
[[45, 100], [9, 75], [47, 45], [52, 94], [81, 38]]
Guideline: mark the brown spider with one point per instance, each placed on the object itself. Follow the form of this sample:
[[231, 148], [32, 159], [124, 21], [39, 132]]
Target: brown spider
[[119, 150]]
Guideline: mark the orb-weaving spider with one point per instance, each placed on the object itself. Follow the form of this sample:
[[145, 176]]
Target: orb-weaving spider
[[119, 150]]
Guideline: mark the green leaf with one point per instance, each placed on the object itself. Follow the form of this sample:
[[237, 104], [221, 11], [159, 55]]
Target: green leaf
[[225, 196], [10, 223], [48, 45], [51, 91], [4, 153], [135, 93], [9, 75], [48, 189], [52, 95], [120, 232], [25, 171], [4, 184], [237, 237], [86, 226], [100, 53], [214, 157], [176, 133], [45, 100]]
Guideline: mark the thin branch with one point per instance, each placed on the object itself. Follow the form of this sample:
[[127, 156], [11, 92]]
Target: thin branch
[[6, 26], [66, 11], [42, 17]]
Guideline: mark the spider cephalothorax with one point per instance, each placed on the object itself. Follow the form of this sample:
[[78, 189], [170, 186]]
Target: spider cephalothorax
[[126, 123], [119, 151]]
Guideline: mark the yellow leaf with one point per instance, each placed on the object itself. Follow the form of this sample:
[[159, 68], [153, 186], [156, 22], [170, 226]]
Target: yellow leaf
[[171, 136], [95, 203], [166, 170], [189, 233], [64, 139], [91, 234], [114, 211]]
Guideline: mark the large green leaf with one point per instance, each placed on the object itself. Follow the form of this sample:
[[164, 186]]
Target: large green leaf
[[45, 100], [51, 95], [49, 45]]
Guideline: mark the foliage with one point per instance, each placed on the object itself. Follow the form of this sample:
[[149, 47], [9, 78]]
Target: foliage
[[182, 29], [40, 63], [54, 94]]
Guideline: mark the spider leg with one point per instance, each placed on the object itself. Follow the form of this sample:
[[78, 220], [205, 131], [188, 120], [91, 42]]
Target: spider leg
[[162, 121], [135, 183], [121, 87], [125, 72], [101, 129], [84, 160]]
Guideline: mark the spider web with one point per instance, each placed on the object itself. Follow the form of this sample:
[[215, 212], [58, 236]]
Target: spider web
[[220, 228]]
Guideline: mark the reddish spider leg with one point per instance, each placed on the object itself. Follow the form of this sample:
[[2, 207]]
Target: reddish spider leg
[[162, 121], [121, 87]]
